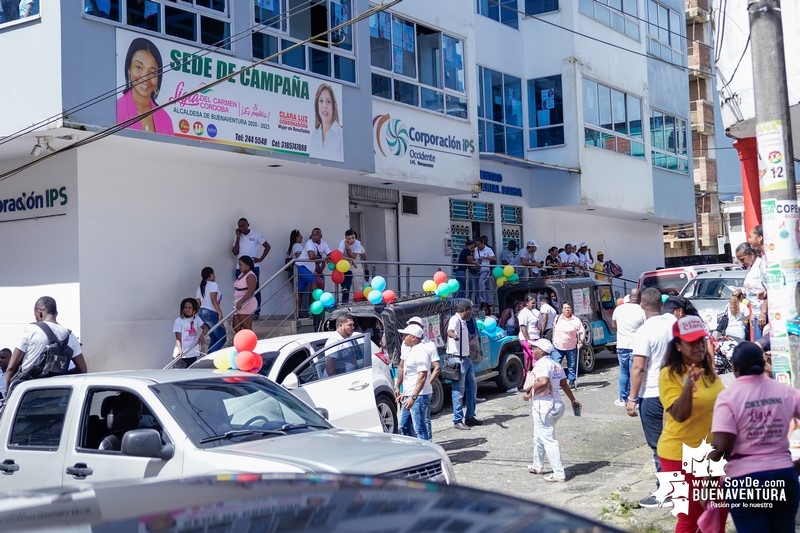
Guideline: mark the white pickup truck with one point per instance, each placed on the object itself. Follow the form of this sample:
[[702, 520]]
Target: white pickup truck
[[88, 428]]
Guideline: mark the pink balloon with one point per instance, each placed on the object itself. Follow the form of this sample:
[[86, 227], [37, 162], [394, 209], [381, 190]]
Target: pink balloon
[[245, 340], [244, 360], [440, 277], [389, 296]]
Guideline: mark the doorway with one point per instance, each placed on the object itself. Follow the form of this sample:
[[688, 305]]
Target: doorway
[[373, 216]]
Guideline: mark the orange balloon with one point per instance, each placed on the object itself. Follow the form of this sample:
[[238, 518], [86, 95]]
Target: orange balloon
[[244, 361], [245, 340], [440, 277]]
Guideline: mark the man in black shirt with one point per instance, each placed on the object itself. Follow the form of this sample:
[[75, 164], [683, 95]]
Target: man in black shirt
[[463, 273]]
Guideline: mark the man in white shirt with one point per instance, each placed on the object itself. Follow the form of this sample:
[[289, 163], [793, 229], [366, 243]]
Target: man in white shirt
[[465, 391], [484, 256], [346, 357], [548, 316], [626, 319], [315, 251], [351, 250], [414, 390], [5, 356], [584, 254], [527, 259], [433, 354], [510, 256], [568, 258], [247, 242]]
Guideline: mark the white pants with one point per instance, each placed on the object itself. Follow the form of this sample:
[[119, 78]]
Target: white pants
[[545, 416]]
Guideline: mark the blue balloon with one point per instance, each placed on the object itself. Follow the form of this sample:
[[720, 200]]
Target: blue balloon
[[232, 359], [453, 285], [375, 297], [327, 299], [490, 323], [378, 283]]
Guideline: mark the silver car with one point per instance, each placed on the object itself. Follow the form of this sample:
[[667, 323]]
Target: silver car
[[711, 292]]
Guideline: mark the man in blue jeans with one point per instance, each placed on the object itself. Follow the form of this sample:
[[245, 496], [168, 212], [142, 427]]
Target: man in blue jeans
[[465, 391], [414, 389], [626, 320]]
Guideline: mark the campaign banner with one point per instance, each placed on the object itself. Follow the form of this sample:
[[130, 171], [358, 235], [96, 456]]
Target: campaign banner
[[261, 108]]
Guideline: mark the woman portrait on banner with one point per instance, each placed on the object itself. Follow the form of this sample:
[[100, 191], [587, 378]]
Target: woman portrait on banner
[[143, 75], [327, 138]]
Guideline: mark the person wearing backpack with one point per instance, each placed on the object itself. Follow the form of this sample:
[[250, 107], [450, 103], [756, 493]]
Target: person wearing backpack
[[46, 349]]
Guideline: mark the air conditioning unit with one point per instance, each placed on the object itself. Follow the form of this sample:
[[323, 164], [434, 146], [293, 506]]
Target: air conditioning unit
[[697, 14]]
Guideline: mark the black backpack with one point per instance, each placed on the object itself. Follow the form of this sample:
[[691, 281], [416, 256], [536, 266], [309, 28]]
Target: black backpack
[[55, 359]]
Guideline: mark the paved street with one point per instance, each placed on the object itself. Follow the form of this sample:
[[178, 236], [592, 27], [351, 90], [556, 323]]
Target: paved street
[[609, 466]]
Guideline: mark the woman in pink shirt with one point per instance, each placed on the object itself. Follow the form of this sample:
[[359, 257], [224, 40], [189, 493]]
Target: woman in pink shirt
[[568, 337], [750, 429]]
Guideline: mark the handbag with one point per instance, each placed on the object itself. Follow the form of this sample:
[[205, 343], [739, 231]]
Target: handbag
[[451, 369], [722, 323]]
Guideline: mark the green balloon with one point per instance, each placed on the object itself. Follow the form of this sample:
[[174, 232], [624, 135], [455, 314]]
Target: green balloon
[[513, 277], [316, 307], [317, 294], [331, 266], [497, 272], [481, 325]]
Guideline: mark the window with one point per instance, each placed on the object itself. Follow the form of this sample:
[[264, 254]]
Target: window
[[537, 7], [511, 225], [11, 10], [341, 358], [668, 142], [40, 419], [500, 113], [612, 119], [503, 11], [619, 15], [408, 205], [664, 33], [129, 413], [545, 112], [286, 22], [736, 221], [417, 65], [205, 22]]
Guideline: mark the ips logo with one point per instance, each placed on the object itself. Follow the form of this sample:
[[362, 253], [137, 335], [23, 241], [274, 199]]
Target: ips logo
[[197, 128], [391, 135]]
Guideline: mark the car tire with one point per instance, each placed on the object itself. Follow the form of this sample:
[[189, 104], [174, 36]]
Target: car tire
[[437, 397], [586, 358], [387, 412], [511, 372]]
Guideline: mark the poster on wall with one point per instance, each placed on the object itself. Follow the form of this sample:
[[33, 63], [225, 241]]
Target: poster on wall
[[263, 108]]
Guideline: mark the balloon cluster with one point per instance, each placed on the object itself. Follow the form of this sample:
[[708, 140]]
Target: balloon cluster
[[488, 327], [338, 266], [241, 356], [504, 274], [375, 292], [322, 300], [441, 286]]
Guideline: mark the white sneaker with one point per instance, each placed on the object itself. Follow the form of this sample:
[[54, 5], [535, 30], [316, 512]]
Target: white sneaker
[[619, 403]]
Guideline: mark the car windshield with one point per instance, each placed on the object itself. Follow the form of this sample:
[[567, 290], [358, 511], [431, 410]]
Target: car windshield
[[717, 288], [268, 359], [665, 282], [218, 411]]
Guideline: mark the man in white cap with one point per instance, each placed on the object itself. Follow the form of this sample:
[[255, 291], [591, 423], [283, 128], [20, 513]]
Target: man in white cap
[[435, 367], [414, 390], [527, 259], [585, 258]]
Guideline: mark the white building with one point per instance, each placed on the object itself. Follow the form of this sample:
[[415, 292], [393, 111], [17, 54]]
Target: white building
[[567, 123]]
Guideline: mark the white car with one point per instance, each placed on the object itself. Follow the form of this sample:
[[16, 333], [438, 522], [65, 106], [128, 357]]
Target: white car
[[361, 398]]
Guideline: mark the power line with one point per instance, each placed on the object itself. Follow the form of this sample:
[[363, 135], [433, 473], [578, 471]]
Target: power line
[[122, 125]]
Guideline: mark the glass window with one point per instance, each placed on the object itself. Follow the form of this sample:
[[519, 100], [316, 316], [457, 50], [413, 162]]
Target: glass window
[[265, 45], [180, 23], [320, 62], [215, 32], [340, 12], [429, 56], [612, 120], [269, 12], [380, 40], [513, 100], [432, 100], [635, 117], [39, 420], [604, 106], [344, 68], [404, 48], [381, 86], [618, 112], [545, 112], [453, 63], [501, 105], [503, 11], [456, 106], [104, 9], [294, 58], [406, 93], [620, 15], [591, 114], [668, 142], [664, 32], [537, 7]]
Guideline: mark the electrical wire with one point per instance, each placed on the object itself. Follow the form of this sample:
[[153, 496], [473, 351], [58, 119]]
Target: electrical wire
[[219, 45], [741, 57], [122, 125]]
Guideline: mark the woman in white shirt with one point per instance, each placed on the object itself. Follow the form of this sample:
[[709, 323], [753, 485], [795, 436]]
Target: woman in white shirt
[[736, 315], [528, 320], [209, 298], [568, 337]]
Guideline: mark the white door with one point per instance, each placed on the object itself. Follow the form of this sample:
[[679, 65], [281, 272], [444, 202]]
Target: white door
[[339, 379]]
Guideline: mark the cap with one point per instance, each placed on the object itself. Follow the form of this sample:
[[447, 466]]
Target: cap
[[689, 328], [414, 320], [748, 359], [543, 344], [583, 245], [412, 329], [574, 244], [530, 243], [469, 241], [600, 253]]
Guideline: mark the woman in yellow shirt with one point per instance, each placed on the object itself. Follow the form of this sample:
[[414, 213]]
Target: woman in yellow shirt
[[688, 387]]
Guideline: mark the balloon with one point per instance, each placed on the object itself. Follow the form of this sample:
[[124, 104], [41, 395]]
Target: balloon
[[366, 292], [440, 277], [429, 286], [497, 272], [389, 296], [513, 278], [221, 361], [375, 297], [245, 340], [621, 301], [454, 285], [443, 289], [481, 325], [378, 283], [358, 296], [490, 323], [508, 270], [663, 298], [258, 362], [316, 308], [336, 256], [331, 266], [244, 360], [317, 294], [327, 299], [343, 265], [232, 360], [337, 277], [501, 281]]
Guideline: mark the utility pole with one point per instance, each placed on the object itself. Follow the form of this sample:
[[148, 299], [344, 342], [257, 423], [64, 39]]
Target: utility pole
[[779, 210]]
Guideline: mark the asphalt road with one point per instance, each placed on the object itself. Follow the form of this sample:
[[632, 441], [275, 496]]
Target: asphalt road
[[609, 466]]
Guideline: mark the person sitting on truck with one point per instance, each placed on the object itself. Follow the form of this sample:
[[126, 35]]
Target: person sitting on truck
[[508, 318]]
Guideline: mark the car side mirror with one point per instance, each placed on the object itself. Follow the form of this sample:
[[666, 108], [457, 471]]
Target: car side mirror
[[146, 443], [291, 382], [322, 412]]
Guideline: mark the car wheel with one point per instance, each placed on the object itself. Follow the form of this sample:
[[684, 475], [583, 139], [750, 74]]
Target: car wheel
[[387, 412], [437, 398], [511, 372], [586, 358]]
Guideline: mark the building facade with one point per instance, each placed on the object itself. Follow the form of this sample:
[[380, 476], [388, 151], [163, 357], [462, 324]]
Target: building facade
[[543, 120]]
